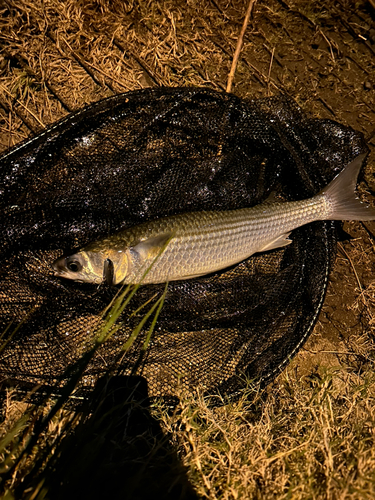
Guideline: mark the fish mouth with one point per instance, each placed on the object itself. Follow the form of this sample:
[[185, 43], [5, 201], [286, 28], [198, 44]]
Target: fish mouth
[[59, 273], [58, 266]]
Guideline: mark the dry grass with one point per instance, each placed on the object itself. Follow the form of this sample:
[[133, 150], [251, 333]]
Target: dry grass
[[307, 438], [310, 437], [311, 434]]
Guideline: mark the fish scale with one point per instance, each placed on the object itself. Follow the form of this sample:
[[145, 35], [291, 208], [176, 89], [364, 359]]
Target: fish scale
[[193, 244], [203, 241]]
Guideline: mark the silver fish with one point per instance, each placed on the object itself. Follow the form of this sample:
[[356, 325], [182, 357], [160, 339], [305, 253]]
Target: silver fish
[[193, 244]]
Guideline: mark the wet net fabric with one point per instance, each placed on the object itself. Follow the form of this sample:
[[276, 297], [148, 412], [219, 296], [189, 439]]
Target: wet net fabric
[[150, 153]]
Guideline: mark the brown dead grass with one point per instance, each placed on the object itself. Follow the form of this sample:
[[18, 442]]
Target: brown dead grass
[[308, 438], [312, 434]]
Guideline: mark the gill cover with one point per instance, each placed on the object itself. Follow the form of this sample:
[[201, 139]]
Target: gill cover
[[115, 266]]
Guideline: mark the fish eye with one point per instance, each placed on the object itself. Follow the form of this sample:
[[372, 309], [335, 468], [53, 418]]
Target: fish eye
[[74, 266]]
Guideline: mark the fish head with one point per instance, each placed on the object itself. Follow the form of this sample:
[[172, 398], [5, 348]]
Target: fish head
[[85, 267], [89, 266]]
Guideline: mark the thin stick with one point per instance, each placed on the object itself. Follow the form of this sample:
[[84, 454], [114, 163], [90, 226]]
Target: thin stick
[[25, 107], [107, 75], [239, 45], [269, 71], [352, 265]]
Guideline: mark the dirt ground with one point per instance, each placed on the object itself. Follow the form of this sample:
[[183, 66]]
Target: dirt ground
[[56, 56]]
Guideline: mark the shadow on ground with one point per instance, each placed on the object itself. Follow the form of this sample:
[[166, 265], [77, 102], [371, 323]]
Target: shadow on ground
[[119, 451]]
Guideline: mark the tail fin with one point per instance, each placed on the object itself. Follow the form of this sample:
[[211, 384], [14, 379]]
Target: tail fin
[[341, 195]]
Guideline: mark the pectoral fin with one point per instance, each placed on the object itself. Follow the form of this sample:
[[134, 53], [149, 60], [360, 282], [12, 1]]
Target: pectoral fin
[[281, 241], [151, 247]]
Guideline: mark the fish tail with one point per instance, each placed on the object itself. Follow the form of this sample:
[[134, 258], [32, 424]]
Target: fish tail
[[341, 196]]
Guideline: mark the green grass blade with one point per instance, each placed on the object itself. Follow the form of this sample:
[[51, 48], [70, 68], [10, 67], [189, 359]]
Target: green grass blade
[[139, 327], [152, 327]]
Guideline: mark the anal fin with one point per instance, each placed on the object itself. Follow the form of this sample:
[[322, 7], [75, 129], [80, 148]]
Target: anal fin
[[281, 241]]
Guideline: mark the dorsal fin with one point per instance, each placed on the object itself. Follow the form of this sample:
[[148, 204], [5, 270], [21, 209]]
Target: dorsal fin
[[273, 197]]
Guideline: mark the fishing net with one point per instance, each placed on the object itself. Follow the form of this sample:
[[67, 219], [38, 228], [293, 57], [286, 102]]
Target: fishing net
[[150, 153]]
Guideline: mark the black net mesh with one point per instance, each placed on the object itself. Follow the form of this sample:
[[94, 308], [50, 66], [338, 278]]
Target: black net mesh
[[151, 153]]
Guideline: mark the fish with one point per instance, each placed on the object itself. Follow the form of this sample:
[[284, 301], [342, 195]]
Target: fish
[[194, 244]]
